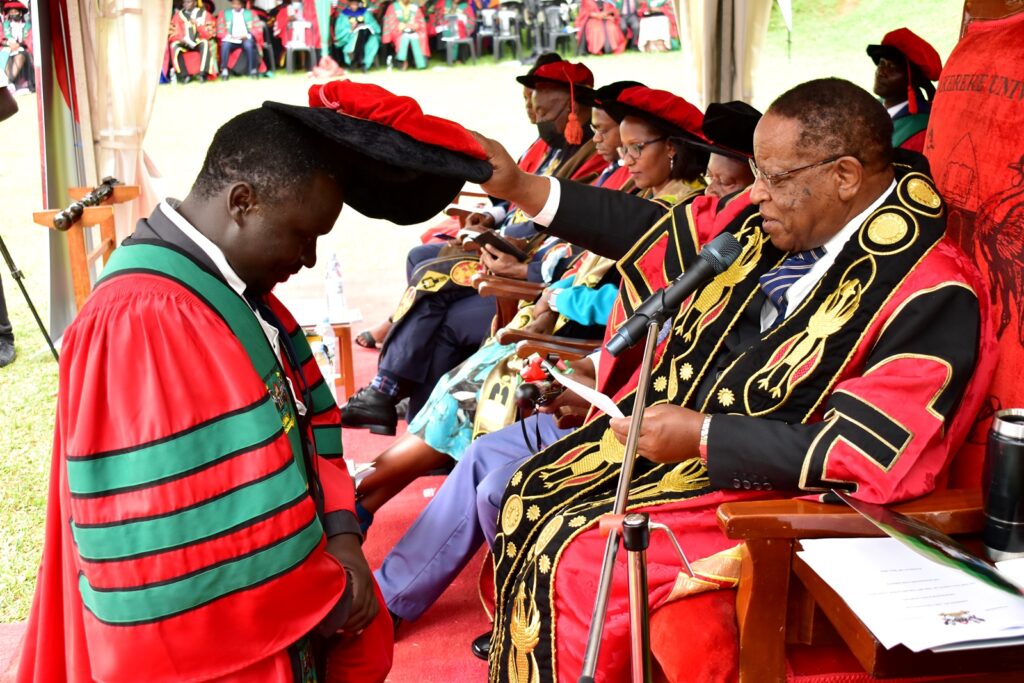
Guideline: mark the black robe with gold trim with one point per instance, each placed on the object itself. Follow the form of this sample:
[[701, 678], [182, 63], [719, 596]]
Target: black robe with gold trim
[[867, 386]]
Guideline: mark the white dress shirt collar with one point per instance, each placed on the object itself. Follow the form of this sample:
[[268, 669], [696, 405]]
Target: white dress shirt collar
[[897, 108], [799, 290], [208, 247]]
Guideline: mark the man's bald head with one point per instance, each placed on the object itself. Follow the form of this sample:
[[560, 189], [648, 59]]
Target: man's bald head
[[838, 117]]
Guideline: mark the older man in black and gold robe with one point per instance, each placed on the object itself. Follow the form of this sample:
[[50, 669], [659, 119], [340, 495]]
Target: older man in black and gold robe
[[846, 347]]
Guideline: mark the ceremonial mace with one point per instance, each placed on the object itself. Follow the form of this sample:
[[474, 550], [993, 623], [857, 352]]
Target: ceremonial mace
[[651, 315], [65, 219]]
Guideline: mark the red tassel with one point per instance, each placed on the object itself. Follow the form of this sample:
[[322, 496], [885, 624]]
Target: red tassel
[[573, 130], [911, 96]]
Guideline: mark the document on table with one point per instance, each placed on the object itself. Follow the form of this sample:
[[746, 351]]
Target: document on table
[[594, 397], [905, 598]]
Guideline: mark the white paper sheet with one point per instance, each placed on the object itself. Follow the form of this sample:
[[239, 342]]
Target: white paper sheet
[[904, 598], [592, 396], [1013, 570]]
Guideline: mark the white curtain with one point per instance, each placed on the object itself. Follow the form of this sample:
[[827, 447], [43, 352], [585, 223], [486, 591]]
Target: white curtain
[[124, 43], [726, 37]]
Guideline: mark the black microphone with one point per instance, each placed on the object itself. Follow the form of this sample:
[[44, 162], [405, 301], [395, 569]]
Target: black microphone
[[714, 258]]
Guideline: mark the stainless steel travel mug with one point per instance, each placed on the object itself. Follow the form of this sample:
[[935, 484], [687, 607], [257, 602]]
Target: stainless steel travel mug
[[1003, 486]]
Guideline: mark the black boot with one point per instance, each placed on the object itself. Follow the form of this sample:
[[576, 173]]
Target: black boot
[[372, 409], [6, 351], [482, 646]]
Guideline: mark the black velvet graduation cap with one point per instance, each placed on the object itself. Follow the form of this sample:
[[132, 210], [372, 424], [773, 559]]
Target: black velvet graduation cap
[[408, 165], [604, 94], [730, 128]]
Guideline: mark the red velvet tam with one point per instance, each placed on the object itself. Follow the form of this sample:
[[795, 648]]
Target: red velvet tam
[[559, 73], [13, 4], [677, 117], [402, 165], [913, 47]]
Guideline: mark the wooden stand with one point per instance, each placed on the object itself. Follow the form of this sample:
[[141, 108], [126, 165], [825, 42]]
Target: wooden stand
[[101, 216]]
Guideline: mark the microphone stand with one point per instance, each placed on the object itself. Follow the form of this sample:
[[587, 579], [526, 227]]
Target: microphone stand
[[654, 323], [18, 277]]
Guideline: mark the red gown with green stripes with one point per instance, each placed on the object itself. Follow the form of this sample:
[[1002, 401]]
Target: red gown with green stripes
[[182, 541]]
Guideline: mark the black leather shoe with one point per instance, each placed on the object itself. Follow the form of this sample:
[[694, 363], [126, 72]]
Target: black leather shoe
[[6, 351], [482, 646], [371, 409]]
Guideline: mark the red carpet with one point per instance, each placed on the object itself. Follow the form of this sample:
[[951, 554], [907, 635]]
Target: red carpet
[[435, 648]]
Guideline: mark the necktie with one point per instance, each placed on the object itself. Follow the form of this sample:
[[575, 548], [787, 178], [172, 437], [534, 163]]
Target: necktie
[[777, 281], [606, 174]]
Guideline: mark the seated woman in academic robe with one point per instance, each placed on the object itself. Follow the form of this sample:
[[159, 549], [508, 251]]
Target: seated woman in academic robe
[[357, 35], [598, 23], [16, 47], [442, 9], [406, 28], [477, 397], [659, 28]]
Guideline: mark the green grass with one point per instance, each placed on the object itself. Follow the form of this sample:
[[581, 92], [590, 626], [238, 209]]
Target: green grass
[[830, 36], [829, 39]]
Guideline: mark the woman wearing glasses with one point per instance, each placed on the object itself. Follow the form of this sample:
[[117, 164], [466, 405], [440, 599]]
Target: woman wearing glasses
[[658, 131]]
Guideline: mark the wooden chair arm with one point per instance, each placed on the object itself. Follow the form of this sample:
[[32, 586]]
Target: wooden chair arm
[[951, 511], [771, 530], [525, 349], [507, 336], [506, 292], [496, 285]]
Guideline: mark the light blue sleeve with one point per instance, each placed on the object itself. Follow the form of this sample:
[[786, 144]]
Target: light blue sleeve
[[587, 306], [564, 283]]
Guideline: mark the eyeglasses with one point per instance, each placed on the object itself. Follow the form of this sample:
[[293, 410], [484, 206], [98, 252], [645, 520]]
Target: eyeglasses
[[771, 179], [637, 148]]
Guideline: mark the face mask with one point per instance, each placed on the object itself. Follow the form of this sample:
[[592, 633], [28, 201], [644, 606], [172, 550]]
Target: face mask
[[549, 133]]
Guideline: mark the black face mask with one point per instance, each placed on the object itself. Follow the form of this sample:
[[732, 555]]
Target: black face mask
[[549, 133]]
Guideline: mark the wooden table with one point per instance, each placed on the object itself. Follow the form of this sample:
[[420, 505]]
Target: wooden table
[[311, 313]]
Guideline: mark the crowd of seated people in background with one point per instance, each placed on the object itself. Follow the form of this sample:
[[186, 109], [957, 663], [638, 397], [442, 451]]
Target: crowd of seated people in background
[[211, 39]]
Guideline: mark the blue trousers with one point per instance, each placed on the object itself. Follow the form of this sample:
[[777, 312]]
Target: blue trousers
[[247, 45], [462, 515], [443, 330]]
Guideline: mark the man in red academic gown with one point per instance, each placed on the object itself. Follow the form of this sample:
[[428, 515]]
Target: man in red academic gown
[[192, 34], [906, 67], [200, 519]]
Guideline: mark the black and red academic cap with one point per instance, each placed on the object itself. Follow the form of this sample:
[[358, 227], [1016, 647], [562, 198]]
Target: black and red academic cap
[[571, 75], [918, 54], [913, 48], [729, 128], [408, 165], [559, 72], [606, 93], [13, 4], [543, 59], [677, 117]]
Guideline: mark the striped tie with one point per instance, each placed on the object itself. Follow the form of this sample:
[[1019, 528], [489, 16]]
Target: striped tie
[[777, 281]]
